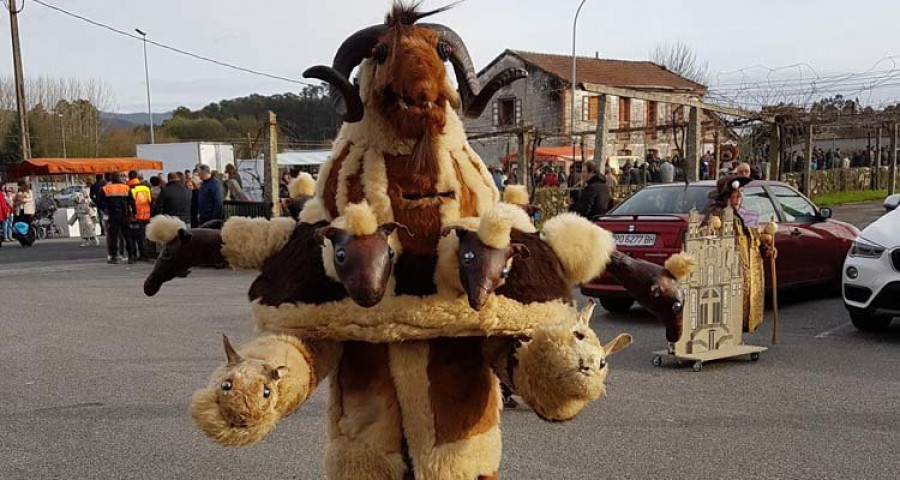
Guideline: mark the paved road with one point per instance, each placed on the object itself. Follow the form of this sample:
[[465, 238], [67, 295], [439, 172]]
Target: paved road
[[97, 379]]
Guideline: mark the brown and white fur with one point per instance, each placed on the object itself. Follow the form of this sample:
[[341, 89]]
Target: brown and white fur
[[429, 408]]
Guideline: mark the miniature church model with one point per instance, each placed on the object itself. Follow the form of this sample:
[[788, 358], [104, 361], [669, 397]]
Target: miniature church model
[[713, 297]]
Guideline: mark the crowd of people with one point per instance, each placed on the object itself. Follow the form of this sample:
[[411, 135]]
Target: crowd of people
[[126, 203], [17, 206]]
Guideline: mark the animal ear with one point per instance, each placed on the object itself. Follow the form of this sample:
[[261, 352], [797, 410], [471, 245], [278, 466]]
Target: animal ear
[[617, 344], [584, 316], [184, 235], [448, 230], [519, 250], [325, 232], [278, 372], [388, 228], [230, 353]]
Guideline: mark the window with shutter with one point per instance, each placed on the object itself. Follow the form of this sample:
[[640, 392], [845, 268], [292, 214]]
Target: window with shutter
[[624, 112], [593, 108], [519, 112], [507, 112], [495, 114], [651, 120]]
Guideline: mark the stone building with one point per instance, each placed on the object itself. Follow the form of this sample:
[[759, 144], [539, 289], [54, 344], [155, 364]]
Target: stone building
[[543, 100]]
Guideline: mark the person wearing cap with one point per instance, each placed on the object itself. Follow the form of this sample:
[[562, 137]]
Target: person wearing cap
[[729, 193]]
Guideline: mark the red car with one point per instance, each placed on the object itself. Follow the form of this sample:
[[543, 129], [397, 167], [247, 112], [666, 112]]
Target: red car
[[651, 224]]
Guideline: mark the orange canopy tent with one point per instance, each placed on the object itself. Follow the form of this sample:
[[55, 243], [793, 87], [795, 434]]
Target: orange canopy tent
[[81, 166], [553, 156]]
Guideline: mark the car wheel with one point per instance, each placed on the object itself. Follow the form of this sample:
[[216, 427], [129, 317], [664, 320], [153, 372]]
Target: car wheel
[[617, 306], [869, 322]]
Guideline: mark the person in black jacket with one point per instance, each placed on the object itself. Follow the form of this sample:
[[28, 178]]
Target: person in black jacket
[[174, 200], [96, 194], [595, 198], [120, 207], [212, 196]]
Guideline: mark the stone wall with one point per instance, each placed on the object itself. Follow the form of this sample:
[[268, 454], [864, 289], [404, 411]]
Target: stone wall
[[838, 180], [553, 201]]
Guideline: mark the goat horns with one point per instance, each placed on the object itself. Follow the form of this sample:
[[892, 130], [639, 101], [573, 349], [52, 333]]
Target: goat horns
[[359, 45], [476, 105], [474, 98], [351, 53]]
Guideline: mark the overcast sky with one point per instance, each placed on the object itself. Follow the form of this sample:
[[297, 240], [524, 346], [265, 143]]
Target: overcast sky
[[284, 37]]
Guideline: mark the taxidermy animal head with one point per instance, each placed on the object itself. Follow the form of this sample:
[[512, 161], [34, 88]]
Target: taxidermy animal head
[[358, 253], [655, 287], [484, 257], [572, 354], [246, 391], [179, 252]]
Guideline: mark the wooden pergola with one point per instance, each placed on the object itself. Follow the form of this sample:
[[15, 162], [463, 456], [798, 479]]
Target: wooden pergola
[[693, 138]]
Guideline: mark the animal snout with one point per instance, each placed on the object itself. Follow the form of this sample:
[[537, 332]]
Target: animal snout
[[366, 297]]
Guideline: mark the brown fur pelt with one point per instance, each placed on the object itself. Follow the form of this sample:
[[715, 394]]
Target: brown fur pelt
[[296, 273], [539, 278]]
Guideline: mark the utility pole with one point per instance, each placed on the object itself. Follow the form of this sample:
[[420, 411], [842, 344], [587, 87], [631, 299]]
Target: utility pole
[[20, 85], [62, 132], [270, 170], [143, 34]]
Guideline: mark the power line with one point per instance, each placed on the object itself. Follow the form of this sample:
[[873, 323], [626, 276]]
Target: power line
[[171, 48]]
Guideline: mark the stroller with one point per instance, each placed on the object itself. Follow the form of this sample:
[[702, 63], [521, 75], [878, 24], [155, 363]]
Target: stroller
[[43, 224]]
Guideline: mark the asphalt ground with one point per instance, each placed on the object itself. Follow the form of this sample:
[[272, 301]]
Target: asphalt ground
[[97, 381]]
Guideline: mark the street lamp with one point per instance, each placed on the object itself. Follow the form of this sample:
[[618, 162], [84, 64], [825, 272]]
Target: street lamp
[[62, 131], [572, 124], [147, 78]]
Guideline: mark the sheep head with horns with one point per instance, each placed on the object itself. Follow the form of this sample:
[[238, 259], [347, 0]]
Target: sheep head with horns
[[409, 79]]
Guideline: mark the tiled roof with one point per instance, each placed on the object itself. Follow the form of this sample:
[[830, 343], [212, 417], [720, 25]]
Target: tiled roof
[[613, 73]]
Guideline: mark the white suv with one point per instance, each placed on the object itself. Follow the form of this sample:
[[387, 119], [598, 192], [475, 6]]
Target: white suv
[[871, 275]]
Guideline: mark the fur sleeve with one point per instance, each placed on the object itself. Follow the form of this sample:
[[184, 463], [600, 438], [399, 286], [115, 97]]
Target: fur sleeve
[[248, 242]]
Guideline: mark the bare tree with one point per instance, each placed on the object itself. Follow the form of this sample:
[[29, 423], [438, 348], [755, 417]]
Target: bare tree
[[678, 57]]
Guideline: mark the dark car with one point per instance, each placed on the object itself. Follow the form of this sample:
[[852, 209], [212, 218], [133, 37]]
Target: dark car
[[651, 224]]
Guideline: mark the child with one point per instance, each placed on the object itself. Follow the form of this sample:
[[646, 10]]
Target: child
[[86, 216]]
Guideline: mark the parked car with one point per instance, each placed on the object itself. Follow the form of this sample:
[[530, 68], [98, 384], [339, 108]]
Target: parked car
[[651, 224], [872, 275], [892, 202], [66, 196]]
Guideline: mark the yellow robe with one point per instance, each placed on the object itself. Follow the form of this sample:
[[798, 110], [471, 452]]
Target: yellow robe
[[754, 283]]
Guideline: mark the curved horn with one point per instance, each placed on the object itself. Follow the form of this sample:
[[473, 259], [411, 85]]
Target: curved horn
[[477, 105], [348, 103], [469, 86], [474, 98], [350, 54]]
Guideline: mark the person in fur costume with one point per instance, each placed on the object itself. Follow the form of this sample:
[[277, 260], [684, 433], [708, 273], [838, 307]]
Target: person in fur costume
[[414, 373], [86, 216]]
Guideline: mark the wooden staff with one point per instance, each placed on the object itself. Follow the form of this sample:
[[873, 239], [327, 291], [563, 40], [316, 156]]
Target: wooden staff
[[774, 300], [768, 237]]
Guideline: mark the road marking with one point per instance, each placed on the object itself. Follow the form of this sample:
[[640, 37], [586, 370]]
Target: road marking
[[828, 333]]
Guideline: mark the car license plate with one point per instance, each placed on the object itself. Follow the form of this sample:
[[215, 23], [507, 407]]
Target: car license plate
[[635, 239]]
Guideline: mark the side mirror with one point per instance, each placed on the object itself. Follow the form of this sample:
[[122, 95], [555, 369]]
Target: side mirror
[[824, 213], [892, 202]]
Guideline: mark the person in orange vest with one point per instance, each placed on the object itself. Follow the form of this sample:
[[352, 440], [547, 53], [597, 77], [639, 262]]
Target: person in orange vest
[[142, 197], [120, 207]]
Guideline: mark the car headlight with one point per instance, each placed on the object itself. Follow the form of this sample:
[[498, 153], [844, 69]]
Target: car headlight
[[865, 249]]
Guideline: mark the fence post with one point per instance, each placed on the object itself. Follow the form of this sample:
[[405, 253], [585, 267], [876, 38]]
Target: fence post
[[877, 170], [807, 177], [694, 144], [775, 151], [270, 169], [601, 137], [892, 173]]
